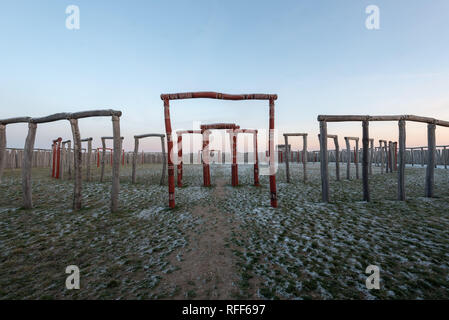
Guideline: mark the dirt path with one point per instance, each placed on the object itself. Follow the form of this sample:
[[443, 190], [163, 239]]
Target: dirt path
[[206, 270]]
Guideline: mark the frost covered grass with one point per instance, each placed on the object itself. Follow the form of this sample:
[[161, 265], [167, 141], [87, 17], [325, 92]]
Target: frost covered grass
[[302, 250]]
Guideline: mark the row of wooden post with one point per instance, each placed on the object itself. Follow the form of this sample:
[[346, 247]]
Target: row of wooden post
[[29, 150], [431, 125]]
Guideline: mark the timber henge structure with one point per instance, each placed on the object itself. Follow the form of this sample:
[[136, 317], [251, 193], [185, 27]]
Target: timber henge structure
[[221, 96]]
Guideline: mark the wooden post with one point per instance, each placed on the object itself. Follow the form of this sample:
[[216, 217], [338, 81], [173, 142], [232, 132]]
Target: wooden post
[[382, 157], [304, 162], [103, 159], [273, 193], [356, 159], [53, 148], [287, 159], [390, 156], [2, 149], [430, 170], [444, 157], [348, 160], [365, 160], [180, 161], [116, 165], [26, 166], [63, 159], [422, 157], [235, 177], [135, 155], [324, 162], [69, 158], [401, 174], [206, 160], [371, 156], [164, 162], [171, 169], [77, 164], [337, 158], [256, 160], [88, 161]]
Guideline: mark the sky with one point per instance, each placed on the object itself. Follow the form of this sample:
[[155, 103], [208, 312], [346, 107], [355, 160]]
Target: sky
[[317, 55]]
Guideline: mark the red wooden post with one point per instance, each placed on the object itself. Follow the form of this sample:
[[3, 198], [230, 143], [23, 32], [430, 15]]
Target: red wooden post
[[98, 158], [206, 168], [180, 160], [235, 172], [256, 162], [273, 198], [171, 169]]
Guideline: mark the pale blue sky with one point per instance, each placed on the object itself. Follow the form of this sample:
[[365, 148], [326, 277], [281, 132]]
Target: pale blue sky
[[316, 55]]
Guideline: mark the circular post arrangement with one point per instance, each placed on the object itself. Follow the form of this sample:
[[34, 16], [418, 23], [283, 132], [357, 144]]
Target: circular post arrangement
[[216, 95]]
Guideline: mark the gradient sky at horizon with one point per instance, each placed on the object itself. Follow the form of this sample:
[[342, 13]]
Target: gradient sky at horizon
[[316, 55]]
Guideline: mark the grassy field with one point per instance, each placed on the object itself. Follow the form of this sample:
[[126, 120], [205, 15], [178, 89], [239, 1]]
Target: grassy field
[[223, 242]]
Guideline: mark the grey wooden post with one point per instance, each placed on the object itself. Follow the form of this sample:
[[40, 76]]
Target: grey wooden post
[[164, 161], [324, 162], [304, 150], [135, 155], [116, 163], [26, 166], [287, 156], [365, 160], [430, 170], [2, 149], [381, 150], [78, 155], [337, 158], [69, 157], [371, 156], [422, 157], [401, 174], [89, 157], [390, 156], [103, 158], [356, 159], [348, 160], [412, 158], [445, 157]]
